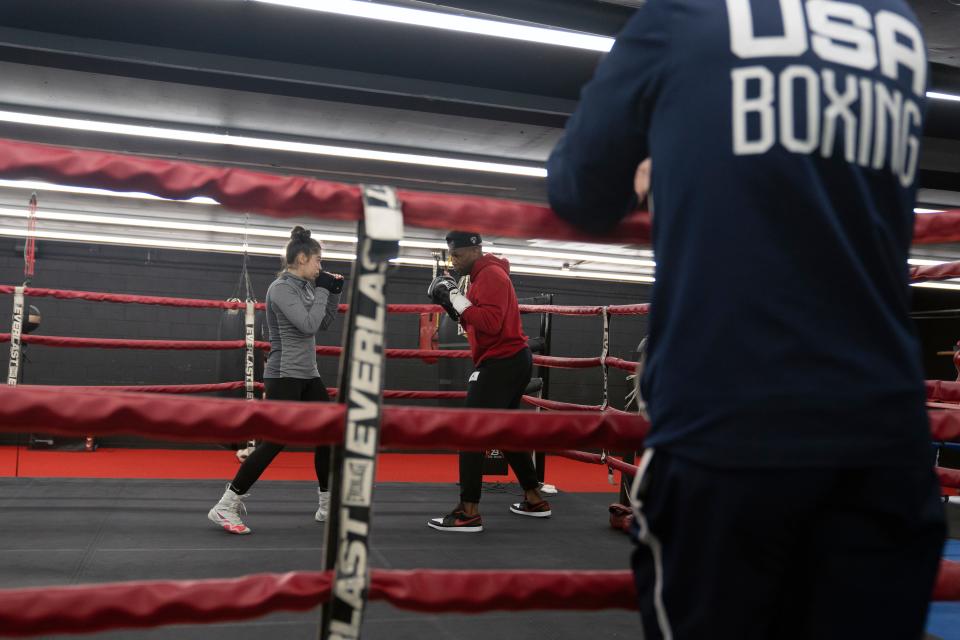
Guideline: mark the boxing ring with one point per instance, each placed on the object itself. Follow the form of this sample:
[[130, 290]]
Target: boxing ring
[[358, 426]]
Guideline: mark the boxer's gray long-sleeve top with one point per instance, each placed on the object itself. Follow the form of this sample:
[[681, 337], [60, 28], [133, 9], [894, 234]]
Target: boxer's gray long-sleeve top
[[296, 311]]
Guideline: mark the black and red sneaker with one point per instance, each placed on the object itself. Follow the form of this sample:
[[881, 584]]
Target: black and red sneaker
[[457, 520], [536, 510]]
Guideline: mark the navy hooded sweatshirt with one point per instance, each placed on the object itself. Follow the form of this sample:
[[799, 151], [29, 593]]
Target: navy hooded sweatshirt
[[784, 137]]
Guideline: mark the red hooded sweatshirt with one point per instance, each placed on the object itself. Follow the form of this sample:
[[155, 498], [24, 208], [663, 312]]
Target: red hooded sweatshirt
[[493, 321]]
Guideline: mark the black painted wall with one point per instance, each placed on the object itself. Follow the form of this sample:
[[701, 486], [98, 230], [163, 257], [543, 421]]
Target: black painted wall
[[216, 276]]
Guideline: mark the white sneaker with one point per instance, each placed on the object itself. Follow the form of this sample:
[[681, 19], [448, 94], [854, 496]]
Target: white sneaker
[[226, 513], [324, 509], [548, 489]]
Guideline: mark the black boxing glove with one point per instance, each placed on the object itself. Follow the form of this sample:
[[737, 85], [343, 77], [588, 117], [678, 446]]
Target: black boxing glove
[[330, 282], [440, 289], [445, 292]]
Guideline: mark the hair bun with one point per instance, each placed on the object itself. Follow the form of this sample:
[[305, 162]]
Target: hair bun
[[299, 233]]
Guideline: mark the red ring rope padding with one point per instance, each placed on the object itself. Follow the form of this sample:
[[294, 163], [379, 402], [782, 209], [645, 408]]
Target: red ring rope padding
[[93, 296], [27, 408], [944, 271], [284, 197], [948, 477], [118, 343], [125, 605], [943, 390], [324, 350], [229, 386], [543, 403], [623, 365], [400, 394], [96, 296], [169, 388], [629, 309], [945, 425], [566, 363], [424, 395], [595, 458], [935, 228], [288, 196]]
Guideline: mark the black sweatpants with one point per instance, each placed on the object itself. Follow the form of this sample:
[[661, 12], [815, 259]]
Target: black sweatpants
[[308, 390], [786, 554], [497, 384]]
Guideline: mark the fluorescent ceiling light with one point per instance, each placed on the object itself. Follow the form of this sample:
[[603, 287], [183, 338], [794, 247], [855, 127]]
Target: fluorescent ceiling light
[[925, 262], [162, 243], [165, 224], [942, 96], [574, 257], [452, 22], [169, 224], [937, 285], [419, 262], [555, 273], [187, 245], [45, 186], [537, 253], [585, 275], [249, 142], [922, 210]]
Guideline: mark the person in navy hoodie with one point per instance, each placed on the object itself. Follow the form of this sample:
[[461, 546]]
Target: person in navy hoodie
[[787, 491], [491, 316]]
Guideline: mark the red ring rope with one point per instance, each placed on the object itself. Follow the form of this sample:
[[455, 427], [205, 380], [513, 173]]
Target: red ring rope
[[595, 458], [89, 608], [944, 271], [124, 605], [94, 296], [948, 477], [284, 196], [166, 388], [324, 350], [28, 408], [943, 390], [68, 412], [288, 196]]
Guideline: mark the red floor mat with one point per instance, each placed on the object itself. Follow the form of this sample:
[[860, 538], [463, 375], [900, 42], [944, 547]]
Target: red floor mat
[[176, 464]]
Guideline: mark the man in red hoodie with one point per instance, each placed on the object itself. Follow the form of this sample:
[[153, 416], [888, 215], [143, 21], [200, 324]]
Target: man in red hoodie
[[491, 316]]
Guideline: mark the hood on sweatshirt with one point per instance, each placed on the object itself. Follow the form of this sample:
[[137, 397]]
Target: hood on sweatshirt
[[489, 260]]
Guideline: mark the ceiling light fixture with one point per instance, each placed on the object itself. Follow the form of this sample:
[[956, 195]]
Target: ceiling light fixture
[[536, 253], [453, 22], [160, 243], [164, 243], [116, 128], [583, 275], [59, 188], [936, 285], [164, 224], [942, 96]]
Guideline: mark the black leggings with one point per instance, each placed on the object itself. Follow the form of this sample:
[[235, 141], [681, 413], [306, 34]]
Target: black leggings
[[497, 384], [312, 390]]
